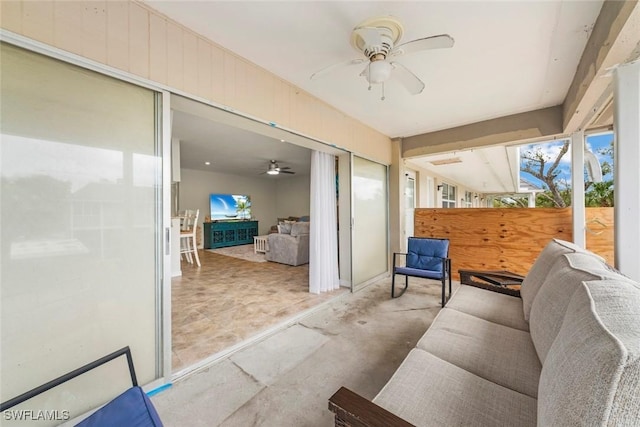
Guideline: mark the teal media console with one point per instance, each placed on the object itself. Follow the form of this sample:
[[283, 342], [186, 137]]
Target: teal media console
[[219, 234]]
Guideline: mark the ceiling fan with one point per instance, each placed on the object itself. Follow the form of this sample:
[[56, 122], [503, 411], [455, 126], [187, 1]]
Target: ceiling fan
[[275, 169], [377, 39]]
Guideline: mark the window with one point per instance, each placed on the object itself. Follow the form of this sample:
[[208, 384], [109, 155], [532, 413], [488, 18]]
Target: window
[[468, 199], [448, 196]]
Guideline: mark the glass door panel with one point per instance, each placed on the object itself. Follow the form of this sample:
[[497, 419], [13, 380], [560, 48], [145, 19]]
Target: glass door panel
[[370, 220], [80, 256]]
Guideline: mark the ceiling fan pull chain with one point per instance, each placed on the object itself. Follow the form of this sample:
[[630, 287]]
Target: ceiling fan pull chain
[[382, 99]]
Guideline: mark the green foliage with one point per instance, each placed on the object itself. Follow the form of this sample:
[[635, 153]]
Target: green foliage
[[601, 194]]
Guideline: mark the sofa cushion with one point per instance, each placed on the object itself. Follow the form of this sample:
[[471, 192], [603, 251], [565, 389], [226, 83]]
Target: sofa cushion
[[591, 375], [494, 307], [550, 305], [500, 354], [540, 268], [428, 391], [299, 228]]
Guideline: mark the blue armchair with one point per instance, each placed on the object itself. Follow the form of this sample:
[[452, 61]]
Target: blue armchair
[[426, 258]]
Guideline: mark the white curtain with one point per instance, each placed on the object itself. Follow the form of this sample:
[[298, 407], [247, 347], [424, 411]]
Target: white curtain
[[323, 239]]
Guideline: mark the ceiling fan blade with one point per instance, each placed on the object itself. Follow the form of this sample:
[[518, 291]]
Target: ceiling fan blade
[[434, 42], [289, 172], [330, 68], [410, 81]]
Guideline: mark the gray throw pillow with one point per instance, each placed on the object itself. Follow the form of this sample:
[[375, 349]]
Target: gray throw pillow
[[284, 228]]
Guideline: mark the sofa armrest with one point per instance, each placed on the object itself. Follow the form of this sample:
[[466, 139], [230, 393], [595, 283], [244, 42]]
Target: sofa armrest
[[492, 280], [353, 410]]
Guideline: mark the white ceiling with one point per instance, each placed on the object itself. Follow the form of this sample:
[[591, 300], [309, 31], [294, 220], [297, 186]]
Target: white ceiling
[[509, 57], [233, 150], [489, 170]]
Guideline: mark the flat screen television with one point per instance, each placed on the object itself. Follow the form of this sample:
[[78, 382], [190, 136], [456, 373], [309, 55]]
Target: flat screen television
[[229, 206]]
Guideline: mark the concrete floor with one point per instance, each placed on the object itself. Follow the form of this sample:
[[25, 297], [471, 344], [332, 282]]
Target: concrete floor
[[356, 341]]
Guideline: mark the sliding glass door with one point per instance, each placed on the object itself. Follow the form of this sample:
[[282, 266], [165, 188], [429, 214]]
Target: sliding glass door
[[370, 220], [81, 250]]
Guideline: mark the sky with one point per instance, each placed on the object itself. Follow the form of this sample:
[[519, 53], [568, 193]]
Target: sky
[[551, 150]]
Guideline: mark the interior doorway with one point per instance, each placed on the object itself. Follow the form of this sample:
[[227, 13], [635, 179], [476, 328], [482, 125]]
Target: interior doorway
[[237, 295]]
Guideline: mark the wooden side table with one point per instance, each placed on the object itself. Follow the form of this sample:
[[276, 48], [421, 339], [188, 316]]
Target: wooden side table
[[260, 244]]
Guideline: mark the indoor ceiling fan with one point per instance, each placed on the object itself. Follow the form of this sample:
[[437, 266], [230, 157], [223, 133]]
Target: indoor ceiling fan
[[275, 169], [377, 39]]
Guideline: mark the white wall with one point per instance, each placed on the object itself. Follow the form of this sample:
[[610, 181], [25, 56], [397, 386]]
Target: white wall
[[422, 185], [270, 199], [293, 196], [196, 186]]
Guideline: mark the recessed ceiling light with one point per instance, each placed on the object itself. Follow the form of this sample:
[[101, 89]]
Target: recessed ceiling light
[[446, 161], [282, 140], [207, 163]]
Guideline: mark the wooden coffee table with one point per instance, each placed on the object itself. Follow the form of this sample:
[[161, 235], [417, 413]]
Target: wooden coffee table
[[502, 281]]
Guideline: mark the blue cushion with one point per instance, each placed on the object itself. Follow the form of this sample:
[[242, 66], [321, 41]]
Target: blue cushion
[[429, 274], [427, 254], [132, 409]]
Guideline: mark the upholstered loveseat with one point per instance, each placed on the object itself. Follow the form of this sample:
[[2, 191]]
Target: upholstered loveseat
[[567, 352], [290, 245]]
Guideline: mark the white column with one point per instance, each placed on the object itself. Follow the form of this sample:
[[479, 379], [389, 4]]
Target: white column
[[175, 159], [577, 188], [532, 200], [626, 98]]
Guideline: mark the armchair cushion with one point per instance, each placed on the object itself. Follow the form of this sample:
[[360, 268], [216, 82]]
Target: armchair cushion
[[427, 254], [416, 272], [299, 228], [132, 408]]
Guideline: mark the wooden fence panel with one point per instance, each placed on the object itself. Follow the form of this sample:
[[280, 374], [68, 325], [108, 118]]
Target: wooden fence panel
[[600, 229], [494, 239], [510, 239]]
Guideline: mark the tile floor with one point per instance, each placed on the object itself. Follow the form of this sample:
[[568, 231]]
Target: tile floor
[[286, 379], [229, 300]]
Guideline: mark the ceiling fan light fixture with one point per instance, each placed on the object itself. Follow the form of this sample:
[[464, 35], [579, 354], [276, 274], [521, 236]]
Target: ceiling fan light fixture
[[378, 72], [273, 172]]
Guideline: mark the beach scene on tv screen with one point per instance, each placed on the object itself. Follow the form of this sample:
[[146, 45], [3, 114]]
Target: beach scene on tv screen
[[230, 206]]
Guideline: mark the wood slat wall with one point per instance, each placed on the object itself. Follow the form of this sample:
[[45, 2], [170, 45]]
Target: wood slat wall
[[509, 239], [494, 239], [600, 230]]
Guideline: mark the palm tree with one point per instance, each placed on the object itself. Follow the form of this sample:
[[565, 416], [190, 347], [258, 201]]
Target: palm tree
[[242, 206]]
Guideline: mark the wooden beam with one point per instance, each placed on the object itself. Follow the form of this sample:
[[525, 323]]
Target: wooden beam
[[613, 41], [531, 125]]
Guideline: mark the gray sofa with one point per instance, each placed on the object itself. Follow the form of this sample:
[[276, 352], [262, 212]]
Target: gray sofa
[[566, 353], [290, 245]]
